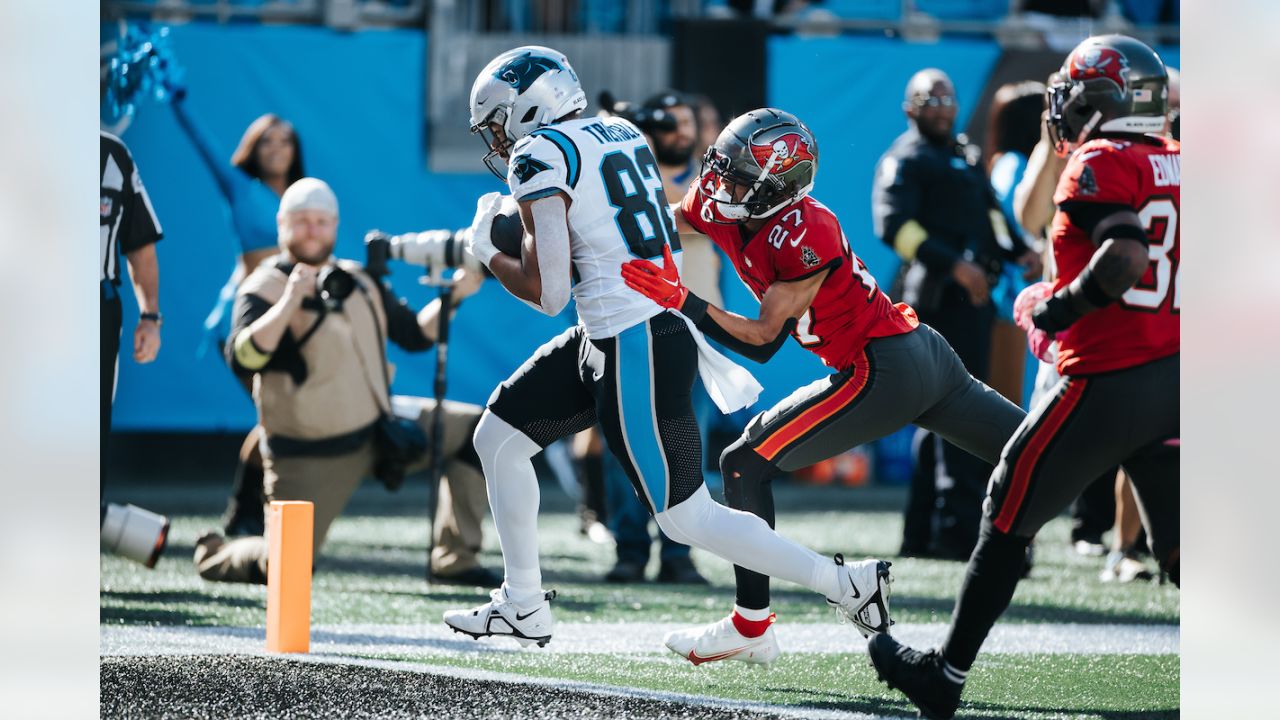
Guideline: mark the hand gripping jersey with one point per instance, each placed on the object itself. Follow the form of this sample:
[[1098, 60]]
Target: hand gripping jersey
[[617, 212], [794, 244], [1145, 176]]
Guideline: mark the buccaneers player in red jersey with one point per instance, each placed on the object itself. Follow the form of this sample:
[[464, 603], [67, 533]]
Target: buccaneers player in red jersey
[[1114, 315], [889, 369]]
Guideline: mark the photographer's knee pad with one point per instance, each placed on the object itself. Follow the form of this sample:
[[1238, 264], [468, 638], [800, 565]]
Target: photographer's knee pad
[[746, 476]]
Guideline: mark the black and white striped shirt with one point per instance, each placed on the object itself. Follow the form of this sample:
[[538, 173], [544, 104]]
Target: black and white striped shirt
[[128, 220]]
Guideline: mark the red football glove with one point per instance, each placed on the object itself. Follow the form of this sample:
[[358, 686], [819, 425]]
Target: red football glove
[[1040, 342], [660, 284]]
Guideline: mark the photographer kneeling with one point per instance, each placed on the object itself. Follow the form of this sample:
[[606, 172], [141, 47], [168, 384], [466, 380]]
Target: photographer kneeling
[[321, 387]]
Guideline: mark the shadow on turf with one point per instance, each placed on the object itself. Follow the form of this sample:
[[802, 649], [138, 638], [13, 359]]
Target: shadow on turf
[[827, 700]]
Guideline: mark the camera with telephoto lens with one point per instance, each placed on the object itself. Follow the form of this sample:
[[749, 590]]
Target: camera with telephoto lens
[[650, 120], [435, 250]]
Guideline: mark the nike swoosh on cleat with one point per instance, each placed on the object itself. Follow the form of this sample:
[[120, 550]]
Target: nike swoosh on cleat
[[697, 659], [526, 615]]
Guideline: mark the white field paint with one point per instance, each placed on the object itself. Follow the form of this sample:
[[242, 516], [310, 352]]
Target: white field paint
[[434, 639]]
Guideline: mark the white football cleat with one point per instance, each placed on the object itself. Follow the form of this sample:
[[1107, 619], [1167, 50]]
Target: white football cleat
[[500, 616], [865, 601], [722, 641]]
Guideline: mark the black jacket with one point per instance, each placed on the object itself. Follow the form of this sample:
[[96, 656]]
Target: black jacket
[[944, 188]]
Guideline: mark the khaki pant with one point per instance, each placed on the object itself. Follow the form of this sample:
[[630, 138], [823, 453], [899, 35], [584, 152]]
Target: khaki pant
[[328, 483]]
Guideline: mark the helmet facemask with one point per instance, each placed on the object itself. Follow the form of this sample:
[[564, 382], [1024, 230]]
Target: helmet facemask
[[498, 151], [764, 194]]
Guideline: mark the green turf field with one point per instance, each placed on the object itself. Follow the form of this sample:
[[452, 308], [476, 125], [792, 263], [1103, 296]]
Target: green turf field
[[371, 570]]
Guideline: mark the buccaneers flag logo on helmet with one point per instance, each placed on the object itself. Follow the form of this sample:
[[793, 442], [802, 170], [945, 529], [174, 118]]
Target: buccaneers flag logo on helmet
[[786, 152], [1095, 63]]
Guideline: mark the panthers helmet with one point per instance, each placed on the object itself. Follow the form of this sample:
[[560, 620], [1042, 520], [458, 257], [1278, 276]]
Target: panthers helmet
[[522, 90], [769, 151], [1108, 84]]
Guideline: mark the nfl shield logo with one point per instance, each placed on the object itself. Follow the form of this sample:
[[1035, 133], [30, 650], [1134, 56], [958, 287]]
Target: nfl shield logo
[[105, 206]]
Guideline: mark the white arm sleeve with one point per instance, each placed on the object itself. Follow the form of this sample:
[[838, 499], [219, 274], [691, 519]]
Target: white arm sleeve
[[551, 233]]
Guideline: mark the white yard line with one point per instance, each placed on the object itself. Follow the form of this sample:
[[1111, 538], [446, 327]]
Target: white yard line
[[434, 639]]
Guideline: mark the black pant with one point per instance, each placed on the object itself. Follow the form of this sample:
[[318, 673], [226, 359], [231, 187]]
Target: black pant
[[109, 340], [1090, 424], [636, 384], [944, 505]]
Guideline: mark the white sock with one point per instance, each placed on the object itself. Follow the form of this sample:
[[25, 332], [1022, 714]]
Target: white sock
[[752, 615], [746, 540], [505, 455]]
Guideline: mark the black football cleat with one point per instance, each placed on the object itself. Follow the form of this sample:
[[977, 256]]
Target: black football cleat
[[918, 675]]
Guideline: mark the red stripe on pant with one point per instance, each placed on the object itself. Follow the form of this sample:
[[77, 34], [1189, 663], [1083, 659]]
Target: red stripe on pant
[[819, 413], [1031, 454]]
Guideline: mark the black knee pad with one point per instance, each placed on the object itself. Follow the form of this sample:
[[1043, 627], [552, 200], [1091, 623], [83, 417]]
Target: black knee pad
[[745, 473]]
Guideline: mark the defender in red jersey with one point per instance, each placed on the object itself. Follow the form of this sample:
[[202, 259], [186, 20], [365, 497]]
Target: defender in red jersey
[[889, 369], [1114, 313]]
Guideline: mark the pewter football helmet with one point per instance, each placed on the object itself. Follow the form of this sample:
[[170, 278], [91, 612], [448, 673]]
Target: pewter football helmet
[[1108, 84], [769, 151], [522, 90]]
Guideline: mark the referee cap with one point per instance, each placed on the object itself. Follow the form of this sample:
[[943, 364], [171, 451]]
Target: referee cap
[[309, 194]]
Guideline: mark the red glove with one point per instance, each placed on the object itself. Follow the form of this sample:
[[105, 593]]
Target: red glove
[[1040, 342], [660, 284]]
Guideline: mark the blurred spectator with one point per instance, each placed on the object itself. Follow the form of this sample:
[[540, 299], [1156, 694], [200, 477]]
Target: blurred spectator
[[933, 204], [1013, 127], [1175, 104], [588, 450], [628, 517], [128, 225], [267, 160], [322, 387], [709, 123]]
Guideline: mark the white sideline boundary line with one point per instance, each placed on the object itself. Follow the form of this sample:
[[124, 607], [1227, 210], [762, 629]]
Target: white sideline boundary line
[[632, 639]]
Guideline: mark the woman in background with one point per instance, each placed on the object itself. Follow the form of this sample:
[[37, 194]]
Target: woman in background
[[266, 162]]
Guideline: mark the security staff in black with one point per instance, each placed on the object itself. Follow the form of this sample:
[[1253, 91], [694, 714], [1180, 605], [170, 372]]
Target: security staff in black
[[932, 203], [127, 224]]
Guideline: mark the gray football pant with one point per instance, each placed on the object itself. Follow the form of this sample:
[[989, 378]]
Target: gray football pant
[[911, 378]]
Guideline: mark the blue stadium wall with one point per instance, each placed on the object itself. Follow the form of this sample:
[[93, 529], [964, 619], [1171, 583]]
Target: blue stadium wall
[[357, 101]]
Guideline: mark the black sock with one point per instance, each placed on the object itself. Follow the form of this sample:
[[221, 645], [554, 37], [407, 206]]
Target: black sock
[[748, 487], [591, 475], [989, 583]]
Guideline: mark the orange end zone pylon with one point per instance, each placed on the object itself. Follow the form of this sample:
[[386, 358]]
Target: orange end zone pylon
[[289, 576]]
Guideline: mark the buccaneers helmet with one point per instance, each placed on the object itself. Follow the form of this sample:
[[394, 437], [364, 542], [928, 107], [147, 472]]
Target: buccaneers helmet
[[1108, 84], [522, 90], [770, 152]]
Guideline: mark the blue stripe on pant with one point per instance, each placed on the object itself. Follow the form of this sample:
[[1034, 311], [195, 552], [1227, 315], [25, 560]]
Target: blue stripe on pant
[[637, 412]]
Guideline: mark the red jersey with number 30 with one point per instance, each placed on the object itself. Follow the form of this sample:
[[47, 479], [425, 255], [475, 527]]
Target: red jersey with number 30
[[796, 243], [1146, 176]]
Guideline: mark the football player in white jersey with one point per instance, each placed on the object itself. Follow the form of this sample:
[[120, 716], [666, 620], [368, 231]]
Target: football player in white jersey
[[590, 198]]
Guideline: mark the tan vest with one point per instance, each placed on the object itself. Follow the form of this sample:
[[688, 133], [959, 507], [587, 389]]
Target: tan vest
[[345, 389]]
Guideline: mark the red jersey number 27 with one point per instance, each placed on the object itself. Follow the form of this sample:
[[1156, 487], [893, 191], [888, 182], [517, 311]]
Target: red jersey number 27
[[1159, 218]]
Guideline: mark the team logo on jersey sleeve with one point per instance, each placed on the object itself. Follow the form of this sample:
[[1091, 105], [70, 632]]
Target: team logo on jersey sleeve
[[1087, 184], [1099, 63], [809, 257], [786, 152], [525, 167]]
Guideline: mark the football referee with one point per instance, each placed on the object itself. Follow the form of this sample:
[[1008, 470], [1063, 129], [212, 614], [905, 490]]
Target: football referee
[[128, 225]]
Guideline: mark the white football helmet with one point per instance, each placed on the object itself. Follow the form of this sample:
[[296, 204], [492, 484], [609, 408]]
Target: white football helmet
[[522, 90]]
